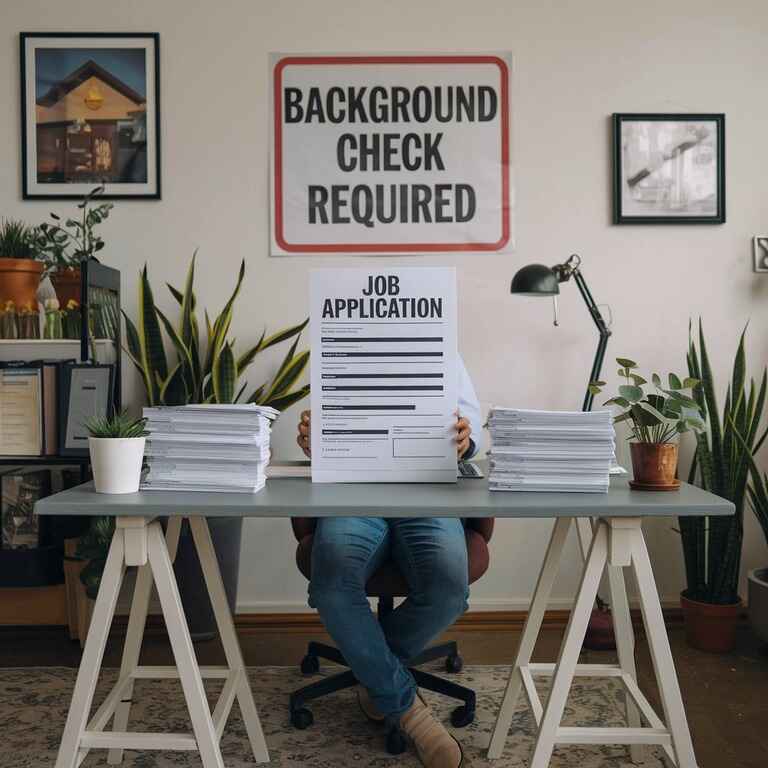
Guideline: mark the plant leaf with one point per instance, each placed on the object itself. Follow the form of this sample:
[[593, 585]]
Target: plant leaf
[[631, 392]]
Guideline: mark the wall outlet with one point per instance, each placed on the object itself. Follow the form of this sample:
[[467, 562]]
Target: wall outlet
[[760, 253]]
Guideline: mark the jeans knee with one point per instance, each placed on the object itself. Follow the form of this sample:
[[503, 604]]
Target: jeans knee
[[447, 586]]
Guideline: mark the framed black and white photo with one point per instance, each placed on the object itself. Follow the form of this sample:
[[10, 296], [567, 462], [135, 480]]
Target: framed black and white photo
[[669, 168], [90, 114]]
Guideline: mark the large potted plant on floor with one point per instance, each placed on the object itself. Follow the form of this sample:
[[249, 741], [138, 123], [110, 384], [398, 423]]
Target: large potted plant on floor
[[721, 464], [20, 272], [757, 578], [210, 373]]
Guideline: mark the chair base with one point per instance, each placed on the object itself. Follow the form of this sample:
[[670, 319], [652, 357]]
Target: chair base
[[301, 716]]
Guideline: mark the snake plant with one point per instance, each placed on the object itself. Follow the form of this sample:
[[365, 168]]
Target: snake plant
[[721, 464], [211, 374]]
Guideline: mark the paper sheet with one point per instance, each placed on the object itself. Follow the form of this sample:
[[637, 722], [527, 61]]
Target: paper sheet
[[384, 375]]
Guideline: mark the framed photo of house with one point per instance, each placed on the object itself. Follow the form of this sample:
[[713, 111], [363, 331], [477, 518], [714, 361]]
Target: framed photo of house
[[90, 114], [669, 168]]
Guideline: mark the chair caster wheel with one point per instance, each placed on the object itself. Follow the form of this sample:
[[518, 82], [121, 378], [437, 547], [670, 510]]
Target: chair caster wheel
[[301, 718], [454, 663], [462, 716], [310, 665], [396, 743]]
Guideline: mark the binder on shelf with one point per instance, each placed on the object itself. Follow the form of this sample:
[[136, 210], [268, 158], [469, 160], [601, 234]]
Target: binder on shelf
[[20, 409], [85, 391]]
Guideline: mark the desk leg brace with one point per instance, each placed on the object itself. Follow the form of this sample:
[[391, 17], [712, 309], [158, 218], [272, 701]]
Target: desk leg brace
[[617, 542], [138, 541]]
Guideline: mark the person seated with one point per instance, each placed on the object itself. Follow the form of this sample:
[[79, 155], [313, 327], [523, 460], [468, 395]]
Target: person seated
[[431, 553]]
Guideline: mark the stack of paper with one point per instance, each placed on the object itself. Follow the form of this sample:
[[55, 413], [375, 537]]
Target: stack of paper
[[569, 451], [208, 448]]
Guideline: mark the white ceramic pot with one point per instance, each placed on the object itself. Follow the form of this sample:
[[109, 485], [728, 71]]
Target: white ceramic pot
[[116, 463]]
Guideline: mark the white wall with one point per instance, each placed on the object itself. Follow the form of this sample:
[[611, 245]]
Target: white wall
[[576, 63]]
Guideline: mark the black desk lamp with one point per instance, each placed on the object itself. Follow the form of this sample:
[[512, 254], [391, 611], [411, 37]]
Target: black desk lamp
[[538, 280]]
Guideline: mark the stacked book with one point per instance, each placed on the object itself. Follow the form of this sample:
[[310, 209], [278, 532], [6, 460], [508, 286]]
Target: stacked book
[[556, 451], [208, 448]]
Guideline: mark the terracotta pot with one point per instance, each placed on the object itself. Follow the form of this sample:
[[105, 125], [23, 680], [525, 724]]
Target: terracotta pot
[[19, 280], [710, 627], [654, 465], [67, 285]]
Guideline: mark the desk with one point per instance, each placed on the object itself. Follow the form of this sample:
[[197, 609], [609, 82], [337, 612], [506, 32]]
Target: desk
[[139, 541]]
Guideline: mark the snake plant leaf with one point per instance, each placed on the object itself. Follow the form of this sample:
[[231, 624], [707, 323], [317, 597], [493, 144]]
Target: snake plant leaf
[[284, 401], [240, 393], [257, 395], [178, 343], [674, 381], [173, 390], [631, 392], [284, 381], [714, 422], [224, 374], [626, 363], [248, 357], [152, 352], [176, 293], [222, 324], [287, 333], [186, 304]]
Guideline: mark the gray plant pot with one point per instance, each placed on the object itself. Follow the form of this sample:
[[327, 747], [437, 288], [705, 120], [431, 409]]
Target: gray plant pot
[[757, 580], [226, 533]]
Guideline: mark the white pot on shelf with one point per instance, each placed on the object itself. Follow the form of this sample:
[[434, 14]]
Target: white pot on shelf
[[116, 463]]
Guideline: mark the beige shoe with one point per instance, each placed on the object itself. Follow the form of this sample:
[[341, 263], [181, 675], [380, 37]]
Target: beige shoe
[[366, 704], [435, 746]]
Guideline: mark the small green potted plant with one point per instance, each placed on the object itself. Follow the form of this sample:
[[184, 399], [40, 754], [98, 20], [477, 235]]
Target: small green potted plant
[[65, 246], [20, 272], [116, 444], [655, 420]]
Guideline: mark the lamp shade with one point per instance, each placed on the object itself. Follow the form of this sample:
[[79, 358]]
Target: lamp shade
[[535, 280]]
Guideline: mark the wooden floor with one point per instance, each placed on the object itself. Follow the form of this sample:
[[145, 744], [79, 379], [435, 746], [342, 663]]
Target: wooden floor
[[726, 696]]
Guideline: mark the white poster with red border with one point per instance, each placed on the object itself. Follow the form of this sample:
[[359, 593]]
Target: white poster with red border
[[390, 154]]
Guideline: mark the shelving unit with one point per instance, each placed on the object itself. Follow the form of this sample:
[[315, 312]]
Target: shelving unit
[[45, 603]]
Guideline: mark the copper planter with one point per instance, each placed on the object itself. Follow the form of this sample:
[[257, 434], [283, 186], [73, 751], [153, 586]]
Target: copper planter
[[654, 466]]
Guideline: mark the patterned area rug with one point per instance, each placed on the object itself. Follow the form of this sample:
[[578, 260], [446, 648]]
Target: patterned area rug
[[34, 702]]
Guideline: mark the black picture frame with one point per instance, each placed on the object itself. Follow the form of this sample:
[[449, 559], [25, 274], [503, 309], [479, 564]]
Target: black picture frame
[[622, 216], [32, 187]]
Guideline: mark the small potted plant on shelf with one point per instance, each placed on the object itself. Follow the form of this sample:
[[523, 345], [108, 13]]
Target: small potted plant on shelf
[[116, 445], [655, 420], [20, 271], [65, 246]]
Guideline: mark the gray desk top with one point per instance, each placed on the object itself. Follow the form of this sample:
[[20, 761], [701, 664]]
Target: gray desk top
[[297, 497]]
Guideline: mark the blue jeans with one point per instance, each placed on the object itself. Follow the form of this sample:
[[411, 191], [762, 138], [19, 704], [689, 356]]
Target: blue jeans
[[431, 553]]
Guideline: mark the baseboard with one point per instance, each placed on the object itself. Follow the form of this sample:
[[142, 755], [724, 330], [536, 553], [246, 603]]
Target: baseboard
[[472, 621]]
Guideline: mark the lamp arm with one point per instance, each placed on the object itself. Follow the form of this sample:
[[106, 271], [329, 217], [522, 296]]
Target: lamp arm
[[603, 330]]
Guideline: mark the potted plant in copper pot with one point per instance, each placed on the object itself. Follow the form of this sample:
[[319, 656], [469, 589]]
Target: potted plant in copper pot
[[20, 272], [655, 420], [721, 464]]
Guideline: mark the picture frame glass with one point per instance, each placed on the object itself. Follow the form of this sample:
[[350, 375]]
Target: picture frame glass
[[91, 115], [669, 168]]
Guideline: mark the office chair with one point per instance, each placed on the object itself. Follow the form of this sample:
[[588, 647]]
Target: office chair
[[386, 584]]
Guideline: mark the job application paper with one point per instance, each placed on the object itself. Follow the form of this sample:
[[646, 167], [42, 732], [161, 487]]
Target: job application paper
[[384, 375]]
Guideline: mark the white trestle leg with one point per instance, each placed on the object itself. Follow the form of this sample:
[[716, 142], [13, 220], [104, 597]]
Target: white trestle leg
[[216, 592], [140, 542], [530, 633], [137, 620], [93, 653], [616, 543]]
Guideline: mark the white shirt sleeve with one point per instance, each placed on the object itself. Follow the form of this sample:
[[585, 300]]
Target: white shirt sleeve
[[469, 407]]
